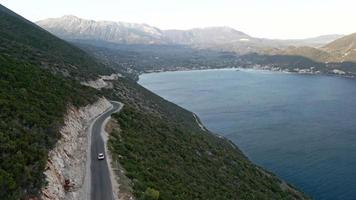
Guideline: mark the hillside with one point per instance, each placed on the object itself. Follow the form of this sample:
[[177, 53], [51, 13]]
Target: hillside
[[162, 149], [25, 41], [136, 59], [40, 79], [307, 52], [344, 48], [337, 57], [338, 51], [315, 42], [209, 35], [32, 105]]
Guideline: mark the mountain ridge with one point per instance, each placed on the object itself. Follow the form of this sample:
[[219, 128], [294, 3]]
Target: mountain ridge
[[134, 33]]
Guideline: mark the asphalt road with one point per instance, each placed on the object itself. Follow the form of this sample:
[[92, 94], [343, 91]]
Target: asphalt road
[[101, 188]]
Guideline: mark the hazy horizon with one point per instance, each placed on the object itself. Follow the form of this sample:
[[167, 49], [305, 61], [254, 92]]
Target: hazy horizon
[[275, 19]]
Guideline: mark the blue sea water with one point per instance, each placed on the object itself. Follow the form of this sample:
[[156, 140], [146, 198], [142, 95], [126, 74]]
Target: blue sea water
[[300, 127]]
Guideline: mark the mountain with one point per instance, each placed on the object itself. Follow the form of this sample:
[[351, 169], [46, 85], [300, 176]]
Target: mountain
[[312, 42], [337, 56], [209, 35], [333, 60], [71, 27], [344, 48], [315, 54], [338, 51], [224, 38], [322, 40], [74, 28]]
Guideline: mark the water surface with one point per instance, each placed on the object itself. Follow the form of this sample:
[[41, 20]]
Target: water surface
[[300, 127]]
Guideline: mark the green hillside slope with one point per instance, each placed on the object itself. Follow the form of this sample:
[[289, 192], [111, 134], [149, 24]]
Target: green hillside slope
[[32, 105], [162, 148], [25, 41], [34, 98]]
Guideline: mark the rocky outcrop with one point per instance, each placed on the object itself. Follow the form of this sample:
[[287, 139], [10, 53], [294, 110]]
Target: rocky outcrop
[[67, 163], [102, 82]]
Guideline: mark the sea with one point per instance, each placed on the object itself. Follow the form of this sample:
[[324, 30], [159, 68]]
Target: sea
[[300, 127]]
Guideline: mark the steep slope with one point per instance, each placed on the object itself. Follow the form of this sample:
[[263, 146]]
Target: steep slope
[[38, 81], [167, 155], [26, 41], [32, 105], [344, 48]]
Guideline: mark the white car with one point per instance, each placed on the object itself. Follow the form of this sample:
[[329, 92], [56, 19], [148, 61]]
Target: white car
[[101, 156]]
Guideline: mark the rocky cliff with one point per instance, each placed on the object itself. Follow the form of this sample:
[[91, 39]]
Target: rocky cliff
[[67, 163]]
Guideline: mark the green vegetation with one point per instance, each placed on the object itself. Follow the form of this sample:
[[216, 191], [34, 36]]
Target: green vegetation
[[181, 163], [161, 147], [136, 59], [130, 93], [32, 105], [151, 194], [27, 42], [38, 81]]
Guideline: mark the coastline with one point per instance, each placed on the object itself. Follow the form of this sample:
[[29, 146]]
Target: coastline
[[261, 69], [283, 183], [278, 73]]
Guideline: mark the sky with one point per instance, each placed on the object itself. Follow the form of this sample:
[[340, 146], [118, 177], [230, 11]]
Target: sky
[[275, 19]]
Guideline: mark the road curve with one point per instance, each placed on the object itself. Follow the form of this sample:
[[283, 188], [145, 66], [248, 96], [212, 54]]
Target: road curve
[[100, 186]]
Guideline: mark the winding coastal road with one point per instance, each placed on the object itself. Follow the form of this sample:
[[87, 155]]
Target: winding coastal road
[[100, 186]]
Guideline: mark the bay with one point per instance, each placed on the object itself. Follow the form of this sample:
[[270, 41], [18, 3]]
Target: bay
[[300, 127]]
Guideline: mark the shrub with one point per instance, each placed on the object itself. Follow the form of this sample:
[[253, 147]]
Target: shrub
[[151, 194]]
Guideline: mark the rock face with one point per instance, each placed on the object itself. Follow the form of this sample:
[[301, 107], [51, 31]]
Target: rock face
[[74, 28], [71, 27], [67, 161], [102, 82]]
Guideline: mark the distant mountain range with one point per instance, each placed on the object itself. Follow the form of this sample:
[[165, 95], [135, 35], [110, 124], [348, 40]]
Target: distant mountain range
[[343, 49], [74, 28], [71, 27], [323, 49], [340, 50]]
